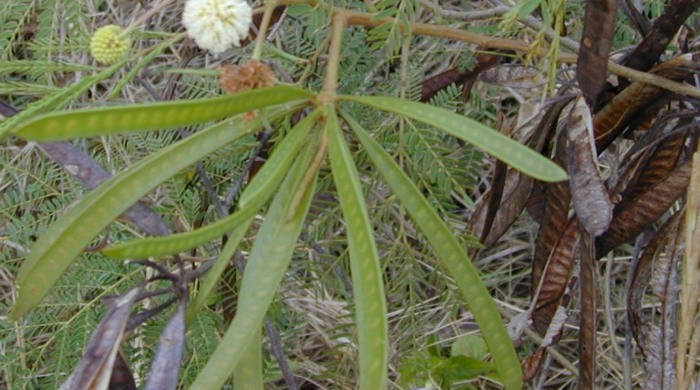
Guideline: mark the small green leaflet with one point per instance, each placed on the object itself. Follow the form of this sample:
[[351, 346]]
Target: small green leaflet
[[367, 279], [111, 120], [267, 263], [63, 241], [256, 193], [452, 256], [505, 149]]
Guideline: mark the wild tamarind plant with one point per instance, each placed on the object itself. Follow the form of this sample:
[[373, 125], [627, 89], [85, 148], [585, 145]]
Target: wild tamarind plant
[[324, 134]]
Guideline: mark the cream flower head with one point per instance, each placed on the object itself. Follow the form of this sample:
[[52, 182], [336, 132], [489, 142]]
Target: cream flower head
[[216, 25]]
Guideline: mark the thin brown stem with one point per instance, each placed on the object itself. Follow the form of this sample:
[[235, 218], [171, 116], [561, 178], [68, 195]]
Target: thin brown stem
[[366, 19]]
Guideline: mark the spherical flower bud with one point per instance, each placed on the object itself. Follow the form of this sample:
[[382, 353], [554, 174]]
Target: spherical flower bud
[[216, 25], [109, 44]]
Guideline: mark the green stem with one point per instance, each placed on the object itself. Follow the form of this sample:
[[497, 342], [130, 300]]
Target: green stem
[[330, 84], [270, 6]]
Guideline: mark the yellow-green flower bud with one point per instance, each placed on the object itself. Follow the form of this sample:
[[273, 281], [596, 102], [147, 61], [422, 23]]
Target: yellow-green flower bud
[[109, 44]]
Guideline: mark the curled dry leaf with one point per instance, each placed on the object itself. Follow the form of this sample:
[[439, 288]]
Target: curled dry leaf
[[553, 233], [634, 101], [650, 166], [591, 201], [431, 86], [598, 33], [166, 363], [555, 277], [492, 218], [662, 32], [638, 214], [95, 368]]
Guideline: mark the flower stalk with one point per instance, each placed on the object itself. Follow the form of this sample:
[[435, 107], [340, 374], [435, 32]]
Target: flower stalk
[[270, 6]]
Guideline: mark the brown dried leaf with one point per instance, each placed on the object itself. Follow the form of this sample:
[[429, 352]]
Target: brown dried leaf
[[653, 166], [166, 363], [639, 21], [533, 363], [496, 213], [598, 32], [664, 29], [494, 200], [432, 85], [591, 201], [658, 367], [95, 368], [556, 276], [557, 273], [555, 218], [634, 101], [640, 213], [660, 338], [437, 83], [122, 378]]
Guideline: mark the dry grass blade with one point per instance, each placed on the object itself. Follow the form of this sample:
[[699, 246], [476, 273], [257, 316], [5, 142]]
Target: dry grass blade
[[641, 276], [660, 372], [588, 318], [690, 288]]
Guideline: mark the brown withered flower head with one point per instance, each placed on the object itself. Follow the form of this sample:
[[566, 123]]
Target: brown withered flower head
[[251, 75]]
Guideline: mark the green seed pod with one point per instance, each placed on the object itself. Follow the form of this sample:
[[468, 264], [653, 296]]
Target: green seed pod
[[109, 44]]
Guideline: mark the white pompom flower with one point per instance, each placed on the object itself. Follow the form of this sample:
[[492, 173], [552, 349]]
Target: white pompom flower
[[216, 25]]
